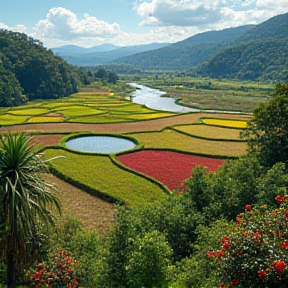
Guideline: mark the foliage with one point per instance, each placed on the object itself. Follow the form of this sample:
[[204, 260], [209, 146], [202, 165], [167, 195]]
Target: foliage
[[59, 274], [267, 132], [173, 220], [25, 199], [255, 252], [32, 70], [236, 183], [148, 264]]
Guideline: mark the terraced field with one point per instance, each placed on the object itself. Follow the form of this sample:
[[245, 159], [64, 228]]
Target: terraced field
[[106, 176]]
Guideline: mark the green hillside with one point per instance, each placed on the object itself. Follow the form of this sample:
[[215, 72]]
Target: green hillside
[[267, 60], [29, 71]]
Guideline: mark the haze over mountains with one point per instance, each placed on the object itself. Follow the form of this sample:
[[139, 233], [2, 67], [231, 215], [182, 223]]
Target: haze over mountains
[[248, 52]]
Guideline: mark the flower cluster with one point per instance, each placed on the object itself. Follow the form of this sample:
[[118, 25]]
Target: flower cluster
[[255, 253], [59, 275]]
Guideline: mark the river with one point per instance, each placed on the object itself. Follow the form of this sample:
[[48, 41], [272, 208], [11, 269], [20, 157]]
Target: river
[[152, 99]]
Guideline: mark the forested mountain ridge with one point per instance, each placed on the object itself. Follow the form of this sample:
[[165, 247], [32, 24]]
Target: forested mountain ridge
[[261, 53], [29, 71], [187, 53], [267, 60]]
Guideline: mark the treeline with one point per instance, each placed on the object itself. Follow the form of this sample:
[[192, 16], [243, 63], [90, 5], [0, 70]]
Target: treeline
[[28, 71]]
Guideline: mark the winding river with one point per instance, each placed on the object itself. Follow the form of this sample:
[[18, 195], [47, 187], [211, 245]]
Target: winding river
[[152, 99]]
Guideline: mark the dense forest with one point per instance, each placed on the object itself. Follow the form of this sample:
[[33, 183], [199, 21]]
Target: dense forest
[[267, 60], [29, 71]]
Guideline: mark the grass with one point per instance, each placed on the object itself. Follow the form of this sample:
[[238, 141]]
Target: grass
[[169, 139], [225, 122], [211, 132], [100, 173]]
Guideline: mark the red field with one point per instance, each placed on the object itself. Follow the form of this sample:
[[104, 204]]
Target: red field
[[170, 168]]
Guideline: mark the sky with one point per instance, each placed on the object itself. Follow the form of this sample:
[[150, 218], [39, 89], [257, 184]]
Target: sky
[[88, 23]]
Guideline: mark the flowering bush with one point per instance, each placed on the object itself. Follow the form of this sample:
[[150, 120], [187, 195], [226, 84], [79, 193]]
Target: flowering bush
[[255, 254], [59, 275]]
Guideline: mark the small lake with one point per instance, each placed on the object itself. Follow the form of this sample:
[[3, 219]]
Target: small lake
[[152, 99], [100, 144]]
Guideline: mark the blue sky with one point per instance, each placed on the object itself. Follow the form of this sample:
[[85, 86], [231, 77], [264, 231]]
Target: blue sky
[[89, 23]]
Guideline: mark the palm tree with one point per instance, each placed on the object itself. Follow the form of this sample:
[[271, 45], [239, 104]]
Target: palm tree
[[25, 198]]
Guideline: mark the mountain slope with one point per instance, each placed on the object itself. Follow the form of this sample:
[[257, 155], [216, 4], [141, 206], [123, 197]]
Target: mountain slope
[[187, 53], [261, 53], [250, 61]]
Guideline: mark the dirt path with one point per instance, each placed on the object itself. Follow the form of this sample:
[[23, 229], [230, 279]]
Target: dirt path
[[94, 213]]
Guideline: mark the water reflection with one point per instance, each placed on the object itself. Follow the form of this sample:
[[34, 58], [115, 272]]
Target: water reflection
[[152, 99]]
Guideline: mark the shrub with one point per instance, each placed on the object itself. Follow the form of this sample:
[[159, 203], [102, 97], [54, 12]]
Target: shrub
[[255, 253]]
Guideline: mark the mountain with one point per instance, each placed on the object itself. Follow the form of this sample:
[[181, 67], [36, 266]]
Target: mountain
[[187, 53], [261, 53], [74, 50], [79, 56]]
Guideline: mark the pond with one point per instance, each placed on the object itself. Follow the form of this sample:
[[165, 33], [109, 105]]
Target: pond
[[100, 144], [152, 99]]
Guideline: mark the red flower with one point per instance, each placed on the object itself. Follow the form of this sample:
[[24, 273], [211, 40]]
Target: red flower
[[279, 266], [238, 219], [235, 282], [279, 199], [224, 239], [226, 245], [248, 207], [284, 245], [262, 274], [245, 233]]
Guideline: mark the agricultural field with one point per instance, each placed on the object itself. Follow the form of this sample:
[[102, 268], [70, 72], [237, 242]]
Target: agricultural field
[[168, 167], [80, 108], [170, 145]]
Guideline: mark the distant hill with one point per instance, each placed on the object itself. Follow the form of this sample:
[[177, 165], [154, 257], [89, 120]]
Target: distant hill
[[187, 53], [75, 50], [90, 56], [261, 53]]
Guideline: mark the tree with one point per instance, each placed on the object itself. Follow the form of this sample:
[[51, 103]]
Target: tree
[[25, 198], [149, 261], [267, 132]]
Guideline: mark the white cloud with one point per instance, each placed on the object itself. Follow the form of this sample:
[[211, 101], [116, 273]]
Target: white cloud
[[18, 28], [62, 23], [207, 13]]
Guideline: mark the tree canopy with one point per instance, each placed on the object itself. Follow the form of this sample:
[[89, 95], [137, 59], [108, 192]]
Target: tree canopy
[[26, 67]]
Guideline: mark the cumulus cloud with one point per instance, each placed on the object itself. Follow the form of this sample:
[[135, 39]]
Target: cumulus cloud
[[62, 23], [207, 13], [177, 13], [18, 28]]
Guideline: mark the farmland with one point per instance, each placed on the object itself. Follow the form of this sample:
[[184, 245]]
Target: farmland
[[172, 144]]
